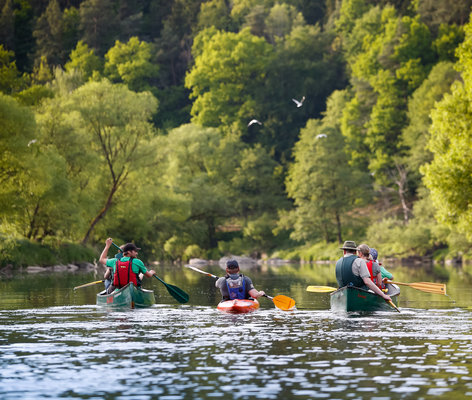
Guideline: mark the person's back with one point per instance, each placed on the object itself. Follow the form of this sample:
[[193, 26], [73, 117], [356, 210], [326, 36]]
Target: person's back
[[235, 285], [344, 271]]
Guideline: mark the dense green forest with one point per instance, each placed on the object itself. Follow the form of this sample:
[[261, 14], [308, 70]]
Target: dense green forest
[[132, 119]]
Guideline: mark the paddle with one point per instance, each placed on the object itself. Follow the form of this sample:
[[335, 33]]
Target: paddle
[[283, 302], [89, 284], [428, 287], [327, 289], [177, 293], [320, 289]]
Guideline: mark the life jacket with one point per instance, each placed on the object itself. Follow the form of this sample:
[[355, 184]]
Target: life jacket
[[370, 263], [124, 274], [236, 287], [344, 274]]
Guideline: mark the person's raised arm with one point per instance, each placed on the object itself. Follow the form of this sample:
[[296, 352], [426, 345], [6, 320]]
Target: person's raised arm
[[103, 256]]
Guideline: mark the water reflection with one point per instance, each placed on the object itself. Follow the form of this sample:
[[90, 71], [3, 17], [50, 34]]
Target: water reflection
[[182, 352], [55, 343]]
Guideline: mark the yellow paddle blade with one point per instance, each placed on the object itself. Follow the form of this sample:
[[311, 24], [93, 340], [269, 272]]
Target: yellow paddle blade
[[428, 287], [283, 302], [320, 289]]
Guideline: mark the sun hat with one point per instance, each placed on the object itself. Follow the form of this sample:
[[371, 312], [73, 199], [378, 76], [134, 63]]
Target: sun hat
[[349, 245]]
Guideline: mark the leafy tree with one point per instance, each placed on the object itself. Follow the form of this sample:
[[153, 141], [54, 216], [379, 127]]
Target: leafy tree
[[7, 27], [437, 12], [131, 63], [199, 163], [416, 134], [111, 136], [98, 24], [24, 41], [10, 79], [48, 34], [449, 175], [83, 59], [33, 193], [228, 72], [322, 183], [214, 13]]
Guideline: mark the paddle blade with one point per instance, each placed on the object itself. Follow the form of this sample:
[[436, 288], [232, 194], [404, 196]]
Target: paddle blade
[[177, 293], [321, 289], [283, 302], [428, 287]]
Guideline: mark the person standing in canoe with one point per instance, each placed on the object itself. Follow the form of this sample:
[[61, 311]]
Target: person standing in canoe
[[235, 285], [352, 270], [126, 269]]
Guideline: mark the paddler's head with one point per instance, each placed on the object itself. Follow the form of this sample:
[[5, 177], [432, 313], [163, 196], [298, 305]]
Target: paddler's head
[[232, 267], [363, 251]]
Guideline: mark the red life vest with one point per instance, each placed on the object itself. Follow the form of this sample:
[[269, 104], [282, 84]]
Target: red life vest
[[124, 274], [370, 263]]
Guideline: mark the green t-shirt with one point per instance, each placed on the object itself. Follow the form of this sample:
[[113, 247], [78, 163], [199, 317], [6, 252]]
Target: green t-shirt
[[136, 267]]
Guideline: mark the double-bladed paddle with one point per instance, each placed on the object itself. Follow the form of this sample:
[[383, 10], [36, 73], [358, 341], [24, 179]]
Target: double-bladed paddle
[[177, 293], [283, 302]]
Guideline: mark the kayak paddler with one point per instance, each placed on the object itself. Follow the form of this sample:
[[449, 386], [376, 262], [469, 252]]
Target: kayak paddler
[[236, 285]]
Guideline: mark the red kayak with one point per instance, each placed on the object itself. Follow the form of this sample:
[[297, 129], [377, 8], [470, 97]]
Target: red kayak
[[238, 306]]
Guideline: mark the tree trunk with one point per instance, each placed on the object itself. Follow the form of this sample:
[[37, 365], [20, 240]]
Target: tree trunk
[[101, 213], [339, 228], [401, 183]]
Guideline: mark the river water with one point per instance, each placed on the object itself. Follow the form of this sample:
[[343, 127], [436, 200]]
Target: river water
[[56, 343]]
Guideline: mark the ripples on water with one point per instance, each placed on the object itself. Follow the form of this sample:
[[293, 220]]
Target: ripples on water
[[188, 352]]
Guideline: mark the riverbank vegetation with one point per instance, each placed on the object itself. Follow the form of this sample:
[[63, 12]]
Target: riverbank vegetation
[[132, 120]]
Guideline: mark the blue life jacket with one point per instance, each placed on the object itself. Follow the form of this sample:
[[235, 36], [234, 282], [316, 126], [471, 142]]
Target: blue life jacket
[[236, 287]]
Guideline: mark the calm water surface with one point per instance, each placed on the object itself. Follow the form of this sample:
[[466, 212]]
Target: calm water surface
[[55, 343]]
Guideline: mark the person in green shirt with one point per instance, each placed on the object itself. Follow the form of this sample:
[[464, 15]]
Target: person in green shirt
[[130, 251], [385, 274]]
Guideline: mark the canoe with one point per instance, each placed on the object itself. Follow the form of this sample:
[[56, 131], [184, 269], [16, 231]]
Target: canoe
[[238, 306], [128, 296], [351, 298]]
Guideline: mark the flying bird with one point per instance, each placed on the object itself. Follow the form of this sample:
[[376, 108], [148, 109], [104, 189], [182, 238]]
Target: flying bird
[[321, 135], [299, 103], [31, 142], [254, 121]]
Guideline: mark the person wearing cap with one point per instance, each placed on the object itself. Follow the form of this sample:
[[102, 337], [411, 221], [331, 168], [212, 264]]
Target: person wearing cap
[[235, 285], [385, 274], [126, 269], [352, 270]]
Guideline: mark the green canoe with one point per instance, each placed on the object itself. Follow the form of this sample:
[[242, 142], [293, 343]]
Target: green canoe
[[351, 298], [128, 296]]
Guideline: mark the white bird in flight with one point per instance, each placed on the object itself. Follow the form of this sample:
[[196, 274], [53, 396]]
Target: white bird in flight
[[321, 135], [254, 121], [31, 142], [299, 103]]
